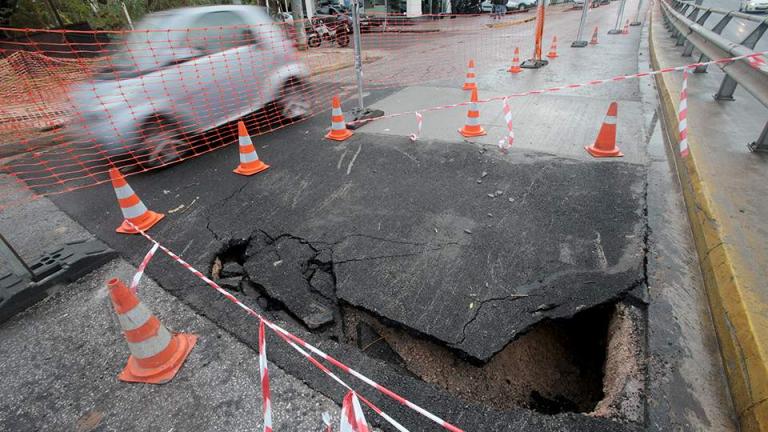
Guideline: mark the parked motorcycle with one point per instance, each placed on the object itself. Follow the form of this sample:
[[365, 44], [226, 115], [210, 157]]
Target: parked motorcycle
[[339, 30]]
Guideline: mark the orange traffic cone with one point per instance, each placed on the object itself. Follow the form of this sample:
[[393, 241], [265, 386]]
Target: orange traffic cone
[[472, 128], [626, 28], [156, 354], [250, 163], [339, 131], [470, 83], [605, 144], [515, 68], [594, 38], [133, 209], [553, 48]]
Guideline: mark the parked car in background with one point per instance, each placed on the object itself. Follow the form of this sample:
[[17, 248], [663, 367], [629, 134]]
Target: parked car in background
[[512, 5], [753, 5], [185, 71]]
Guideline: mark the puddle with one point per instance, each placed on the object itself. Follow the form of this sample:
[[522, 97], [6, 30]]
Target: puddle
[[590, 363]]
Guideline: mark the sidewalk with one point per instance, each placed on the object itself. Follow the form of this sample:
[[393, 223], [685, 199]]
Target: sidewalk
[[725, 189], [60, 358]]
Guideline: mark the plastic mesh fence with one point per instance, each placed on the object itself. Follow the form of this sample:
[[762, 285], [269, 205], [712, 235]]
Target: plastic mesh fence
[[74, 104]]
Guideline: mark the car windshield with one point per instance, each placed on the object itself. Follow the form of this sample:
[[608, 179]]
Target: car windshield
[[146, 48]]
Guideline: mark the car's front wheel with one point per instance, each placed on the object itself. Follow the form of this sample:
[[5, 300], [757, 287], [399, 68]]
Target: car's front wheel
[[162, 143], [293, 103]]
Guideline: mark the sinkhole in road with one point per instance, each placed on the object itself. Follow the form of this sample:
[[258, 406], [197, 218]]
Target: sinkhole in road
[[589, 363]]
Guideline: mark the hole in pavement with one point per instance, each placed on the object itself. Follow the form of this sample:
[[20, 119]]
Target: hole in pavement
[[589, 363]]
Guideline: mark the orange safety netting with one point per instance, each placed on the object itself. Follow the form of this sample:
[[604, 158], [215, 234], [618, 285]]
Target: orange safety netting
[[74, 104]]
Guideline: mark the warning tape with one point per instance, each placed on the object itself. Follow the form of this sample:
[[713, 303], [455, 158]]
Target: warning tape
[[419, 123], [264, 375], [753, 59], [506, 144], [299, 344], [682, 116], [140, 271], [352, 418]]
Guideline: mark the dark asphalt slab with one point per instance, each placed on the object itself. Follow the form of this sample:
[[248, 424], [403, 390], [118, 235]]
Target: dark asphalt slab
[[414, 238]]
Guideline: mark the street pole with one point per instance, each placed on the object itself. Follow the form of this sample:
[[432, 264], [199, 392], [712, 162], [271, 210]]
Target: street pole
[[636, 22], [360, 115], [386, 14], [537, 62], [56, 15], [579, 42], [358, 54], [127, 16], [617, 27], [298, 24]]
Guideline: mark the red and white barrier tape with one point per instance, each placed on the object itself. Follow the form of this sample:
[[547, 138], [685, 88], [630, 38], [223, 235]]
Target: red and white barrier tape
[[297, 343], [758, 63], [419, 123], [749, 57], [682, 116], [506, 143], [327, 422], [140, 271], [264, 374], [352, 418]]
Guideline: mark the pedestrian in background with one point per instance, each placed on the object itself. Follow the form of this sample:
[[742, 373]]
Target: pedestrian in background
[[499, 9]]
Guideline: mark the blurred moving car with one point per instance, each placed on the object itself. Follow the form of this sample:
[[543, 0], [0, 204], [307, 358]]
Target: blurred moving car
[[512, 5], [185, 71], [753, 6]]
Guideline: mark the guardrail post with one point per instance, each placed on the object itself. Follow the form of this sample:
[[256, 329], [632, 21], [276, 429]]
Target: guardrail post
[[680, 39], [761, 145], [728, 86], [718, 28], [688, 50]]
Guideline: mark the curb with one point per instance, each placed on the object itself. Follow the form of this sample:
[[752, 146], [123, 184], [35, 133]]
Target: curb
[[511, 23], [743, 339]]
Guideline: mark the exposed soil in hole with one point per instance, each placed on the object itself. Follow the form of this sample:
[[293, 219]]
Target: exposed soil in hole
[[590, 363], [557, 367]]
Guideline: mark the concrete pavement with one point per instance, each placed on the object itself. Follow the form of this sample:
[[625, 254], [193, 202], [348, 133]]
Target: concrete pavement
[[61, 359], [724, 187]]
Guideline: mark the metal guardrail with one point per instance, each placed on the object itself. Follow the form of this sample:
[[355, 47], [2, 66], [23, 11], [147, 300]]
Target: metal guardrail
[[690, 32]]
